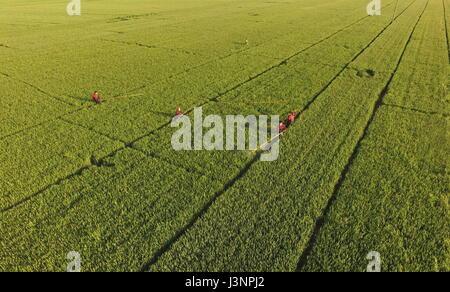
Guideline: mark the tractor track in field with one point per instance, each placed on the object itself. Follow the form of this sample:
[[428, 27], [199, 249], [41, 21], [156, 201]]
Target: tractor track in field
[[379, 102], [37, 89], [248, 50], [446, 30], [101, 161], [129, 145], [415, 110], [199, 214], [255, 159], [395, 10], [187, 70], [283, 62], [41, 123], [153, 47], [308, 105], [57, 182], [90, 129]]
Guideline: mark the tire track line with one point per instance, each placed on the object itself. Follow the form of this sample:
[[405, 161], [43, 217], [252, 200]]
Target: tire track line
[[446, 30], [41, 123], [186, 71], [57, 117], [415, 110], [255, 159], [245, 50], [199, 214], [321, 221], [92, 130], [308, 105], [37, 89], [252, 78], [214, 99]]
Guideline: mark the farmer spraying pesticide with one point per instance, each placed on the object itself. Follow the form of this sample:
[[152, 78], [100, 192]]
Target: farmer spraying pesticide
[[290, 120], [96, 97], [282, 128]]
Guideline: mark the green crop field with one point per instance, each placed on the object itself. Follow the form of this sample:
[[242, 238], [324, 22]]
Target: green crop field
[[365, 169]]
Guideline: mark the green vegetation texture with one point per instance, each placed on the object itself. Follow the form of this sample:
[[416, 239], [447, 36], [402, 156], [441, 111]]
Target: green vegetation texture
[[365, 169]]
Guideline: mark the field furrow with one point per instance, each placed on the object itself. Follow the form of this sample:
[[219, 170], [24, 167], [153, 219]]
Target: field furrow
[[393, 201], [412, 87], [415, 110], [447, 23], [364, 168], [37, 159], [236, 164], [268, 194], [132, 217], [192, 88], [388, 202], [379, 102], [55, 98], [23, 107]]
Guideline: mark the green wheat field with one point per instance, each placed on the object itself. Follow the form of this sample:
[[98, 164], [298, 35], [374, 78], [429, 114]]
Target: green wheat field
[[365, 169]]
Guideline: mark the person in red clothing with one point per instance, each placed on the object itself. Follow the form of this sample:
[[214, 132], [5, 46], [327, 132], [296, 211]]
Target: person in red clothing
[[282, 128], [96, 97], [292, 117], [178, 112], [290, 120]]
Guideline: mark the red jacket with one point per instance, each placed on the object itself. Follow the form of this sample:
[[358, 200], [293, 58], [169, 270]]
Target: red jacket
[[95, 96]]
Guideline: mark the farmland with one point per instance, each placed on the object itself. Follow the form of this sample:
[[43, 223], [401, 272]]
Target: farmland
[[365, 169]]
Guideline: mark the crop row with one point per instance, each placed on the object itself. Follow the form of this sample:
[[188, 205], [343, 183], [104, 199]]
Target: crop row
[[114, 227], [94, 232], [35, 159], [21, 106], [290, 87], [91, 64], [447, 22], [98, 65], [422, 78], [274, 29], [394, 200], [203, 83], [265, 220], [56, 151]]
